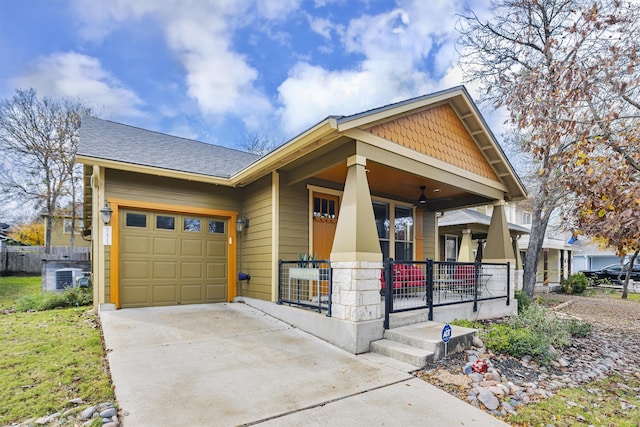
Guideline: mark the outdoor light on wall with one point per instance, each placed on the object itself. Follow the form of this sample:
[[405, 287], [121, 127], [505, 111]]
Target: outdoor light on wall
[[106, 214], [423, 199], [241, 224]]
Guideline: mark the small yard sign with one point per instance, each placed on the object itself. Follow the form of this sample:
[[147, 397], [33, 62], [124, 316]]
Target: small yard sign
[[446, 336], [446, 333]]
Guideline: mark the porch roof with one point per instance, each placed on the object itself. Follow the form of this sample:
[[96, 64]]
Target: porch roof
[[475, 221]]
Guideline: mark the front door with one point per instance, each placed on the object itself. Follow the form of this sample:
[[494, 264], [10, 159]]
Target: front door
[[325, 219]]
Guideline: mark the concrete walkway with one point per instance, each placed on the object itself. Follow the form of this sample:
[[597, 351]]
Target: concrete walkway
[[229, 364]]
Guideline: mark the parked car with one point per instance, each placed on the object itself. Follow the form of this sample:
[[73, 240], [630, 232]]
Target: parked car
[[612, 273]]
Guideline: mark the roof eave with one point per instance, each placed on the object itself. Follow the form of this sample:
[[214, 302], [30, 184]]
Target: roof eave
[[150, 170]]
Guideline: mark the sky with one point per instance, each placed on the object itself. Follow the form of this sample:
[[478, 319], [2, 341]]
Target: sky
[[218, 70]]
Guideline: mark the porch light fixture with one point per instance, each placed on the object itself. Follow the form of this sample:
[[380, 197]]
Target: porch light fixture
[[105, 213], [241, 224], [423, 199]]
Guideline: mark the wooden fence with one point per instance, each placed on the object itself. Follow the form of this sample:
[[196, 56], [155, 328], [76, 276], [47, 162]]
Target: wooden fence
[[28, 259]]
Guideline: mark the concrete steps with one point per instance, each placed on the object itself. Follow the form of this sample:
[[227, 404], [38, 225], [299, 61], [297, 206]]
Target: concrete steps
[[421, 343]]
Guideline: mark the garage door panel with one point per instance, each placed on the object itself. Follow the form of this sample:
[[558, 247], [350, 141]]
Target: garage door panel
[[217, 248], [173, 259], [165, 246], [216, 270], [135, 270], [191, 293], [190, 270], [135, 245], [165, 270], [136, 296], [191, 247], [165, 294], [217, 292]]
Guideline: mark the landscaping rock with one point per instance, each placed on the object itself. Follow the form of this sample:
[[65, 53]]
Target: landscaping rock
[[488, 399]]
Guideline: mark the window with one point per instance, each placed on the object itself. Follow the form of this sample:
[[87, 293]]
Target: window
[[403, 221], [165, 222], [450, 248], [67, 226], [324, 208], [136, 220], [216, 227], [191, 225], [398, 245], [381, 214], [526, 218]]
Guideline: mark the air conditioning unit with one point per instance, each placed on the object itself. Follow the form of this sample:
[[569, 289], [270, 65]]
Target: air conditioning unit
[[67, 277]]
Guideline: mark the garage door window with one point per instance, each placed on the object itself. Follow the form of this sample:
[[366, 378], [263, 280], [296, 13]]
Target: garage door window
[[136, 220], [192, 225], [216, 227], [165, 222]]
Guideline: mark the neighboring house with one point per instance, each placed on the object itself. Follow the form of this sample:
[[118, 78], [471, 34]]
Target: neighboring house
[[332, 191], [555, 262], [463, 234], [61, 228], [589, 256]]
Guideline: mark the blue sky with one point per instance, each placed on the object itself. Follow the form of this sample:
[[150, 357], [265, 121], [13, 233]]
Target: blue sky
[[213, 70]]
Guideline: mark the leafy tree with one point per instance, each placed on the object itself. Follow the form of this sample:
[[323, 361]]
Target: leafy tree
[[31, 233], [38, 143], [557, 66]]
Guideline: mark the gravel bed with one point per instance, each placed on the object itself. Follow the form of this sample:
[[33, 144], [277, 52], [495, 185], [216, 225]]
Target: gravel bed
[[509, 382]]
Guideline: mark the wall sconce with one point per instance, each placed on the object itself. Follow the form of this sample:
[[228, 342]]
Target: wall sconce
[[105, 213], [423, 199], [241, 224]]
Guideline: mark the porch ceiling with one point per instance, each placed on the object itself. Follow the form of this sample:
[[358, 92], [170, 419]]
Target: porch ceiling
[[392, 183]]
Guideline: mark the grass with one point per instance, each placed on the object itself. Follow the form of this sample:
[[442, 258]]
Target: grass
[[47, 357], [13, 288], [613, 401]]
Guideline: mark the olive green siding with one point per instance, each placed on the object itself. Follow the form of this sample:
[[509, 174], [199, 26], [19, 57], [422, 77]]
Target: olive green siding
[[294, 221], [60, 238], [429, 236], [255, 241], [149, 188]]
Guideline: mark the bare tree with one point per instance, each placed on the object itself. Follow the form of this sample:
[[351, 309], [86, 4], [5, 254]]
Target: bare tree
[[536, 59], [259, 143], [38, 143]]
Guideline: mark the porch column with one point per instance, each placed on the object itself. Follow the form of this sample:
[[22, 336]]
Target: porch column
[[356, 258], [498, 248], [466, 251], [516, 252]]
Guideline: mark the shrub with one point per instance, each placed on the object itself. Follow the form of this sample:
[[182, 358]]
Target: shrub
[[472, 324], [523, 300], [70, 297], [574, 284], [535, 332]]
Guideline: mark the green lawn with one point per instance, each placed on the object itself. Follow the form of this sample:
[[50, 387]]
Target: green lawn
[[47, 357]]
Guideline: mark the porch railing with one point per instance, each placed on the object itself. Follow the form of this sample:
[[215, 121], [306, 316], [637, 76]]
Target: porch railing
[[427, 284], [305, 284]]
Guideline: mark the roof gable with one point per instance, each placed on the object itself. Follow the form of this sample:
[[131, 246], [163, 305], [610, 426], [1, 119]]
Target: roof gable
[[439, 133]]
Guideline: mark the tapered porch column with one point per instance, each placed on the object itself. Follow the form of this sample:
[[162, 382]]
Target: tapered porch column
[[516, 252], [498, 247], [356, 258], [466, 250]]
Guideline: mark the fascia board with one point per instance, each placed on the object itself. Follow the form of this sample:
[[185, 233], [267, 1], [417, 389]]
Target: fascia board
[[149, 170]]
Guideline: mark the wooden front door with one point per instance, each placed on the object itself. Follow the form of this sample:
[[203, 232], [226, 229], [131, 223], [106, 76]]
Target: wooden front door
[[325, 219]]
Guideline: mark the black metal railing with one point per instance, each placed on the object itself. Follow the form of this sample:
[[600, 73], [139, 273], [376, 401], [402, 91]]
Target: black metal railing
[[427, 284], [305, 284]]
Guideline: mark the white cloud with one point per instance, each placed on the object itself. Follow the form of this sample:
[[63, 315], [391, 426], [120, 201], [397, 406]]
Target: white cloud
[[200, 33], [73, 75], [321, 26]]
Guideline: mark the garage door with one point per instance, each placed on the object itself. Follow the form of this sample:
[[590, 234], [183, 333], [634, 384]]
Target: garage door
[[168, 259]]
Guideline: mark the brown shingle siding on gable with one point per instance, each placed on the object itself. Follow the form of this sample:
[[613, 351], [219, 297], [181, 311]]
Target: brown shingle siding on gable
[[439, 133]]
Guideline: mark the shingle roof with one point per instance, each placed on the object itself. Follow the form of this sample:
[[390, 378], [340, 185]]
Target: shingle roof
[[118, 142], [470, 216]]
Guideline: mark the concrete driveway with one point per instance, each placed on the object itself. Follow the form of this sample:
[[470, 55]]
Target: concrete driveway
[[229, 364]]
